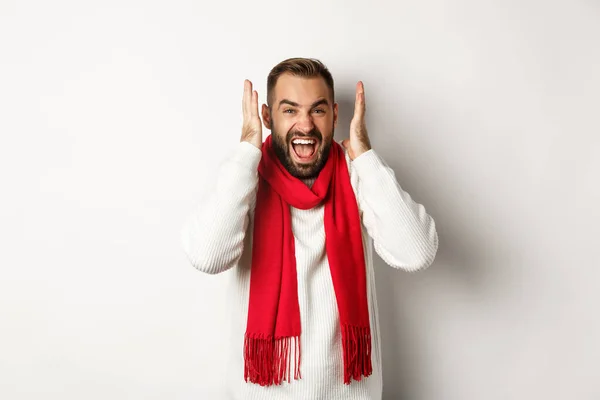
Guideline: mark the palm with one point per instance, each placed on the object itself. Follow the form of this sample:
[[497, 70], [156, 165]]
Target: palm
[[359, 138], [252, 125]]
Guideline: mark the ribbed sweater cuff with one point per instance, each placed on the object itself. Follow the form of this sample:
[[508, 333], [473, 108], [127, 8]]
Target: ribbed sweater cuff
[[368, 165], [247, 155]]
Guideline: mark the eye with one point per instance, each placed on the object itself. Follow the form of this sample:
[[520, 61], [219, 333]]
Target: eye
[[289, 111], [320, 111]]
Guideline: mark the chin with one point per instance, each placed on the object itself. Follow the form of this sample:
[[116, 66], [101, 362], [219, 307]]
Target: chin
[[303, 156], [306, 170]]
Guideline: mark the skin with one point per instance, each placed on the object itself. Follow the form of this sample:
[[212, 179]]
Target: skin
[[302, 107]]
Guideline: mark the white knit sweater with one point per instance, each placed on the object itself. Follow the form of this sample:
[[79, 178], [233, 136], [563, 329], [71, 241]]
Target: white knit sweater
[[217, 237]]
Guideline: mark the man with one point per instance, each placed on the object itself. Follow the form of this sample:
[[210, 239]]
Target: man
[[295, 219]]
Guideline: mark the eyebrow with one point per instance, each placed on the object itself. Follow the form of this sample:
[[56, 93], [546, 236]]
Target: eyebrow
[[294, 104]]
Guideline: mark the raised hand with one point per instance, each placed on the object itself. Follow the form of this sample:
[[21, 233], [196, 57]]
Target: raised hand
[[252, 125], [359, 138]]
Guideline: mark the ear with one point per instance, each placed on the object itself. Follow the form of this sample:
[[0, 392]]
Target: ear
[[266, 116], [335, 114]]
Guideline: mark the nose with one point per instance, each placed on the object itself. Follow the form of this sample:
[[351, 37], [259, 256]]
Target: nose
[[305, 123]]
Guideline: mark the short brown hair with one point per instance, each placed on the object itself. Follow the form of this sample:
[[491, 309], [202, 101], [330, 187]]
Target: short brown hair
[[303, 67]]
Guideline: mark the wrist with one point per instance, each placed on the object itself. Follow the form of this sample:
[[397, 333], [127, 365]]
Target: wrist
[[254, 143]]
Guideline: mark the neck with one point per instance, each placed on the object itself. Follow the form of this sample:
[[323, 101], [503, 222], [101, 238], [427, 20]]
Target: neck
[[309, 181]]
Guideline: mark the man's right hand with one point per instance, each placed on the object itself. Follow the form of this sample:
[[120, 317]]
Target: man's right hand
[[252, 125]]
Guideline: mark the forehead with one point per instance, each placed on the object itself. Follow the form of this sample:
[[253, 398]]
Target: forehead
[[300, 90]]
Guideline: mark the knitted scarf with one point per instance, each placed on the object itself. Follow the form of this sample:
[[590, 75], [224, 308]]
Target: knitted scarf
[[273, 326]]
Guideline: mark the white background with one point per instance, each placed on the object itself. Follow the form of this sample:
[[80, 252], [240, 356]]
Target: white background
[[114, 115]]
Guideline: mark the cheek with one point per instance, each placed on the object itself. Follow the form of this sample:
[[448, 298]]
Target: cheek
[[282, 127], [325, 126]]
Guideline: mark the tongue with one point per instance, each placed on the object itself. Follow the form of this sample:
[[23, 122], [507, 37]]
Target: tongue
[[304, 150]]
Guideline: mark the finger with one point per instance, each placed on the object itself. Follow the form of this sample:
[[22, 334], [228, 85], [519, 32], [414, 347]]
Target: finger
[[247, 99], [346, 143], [359, 105], [244, 98], [254, 109]]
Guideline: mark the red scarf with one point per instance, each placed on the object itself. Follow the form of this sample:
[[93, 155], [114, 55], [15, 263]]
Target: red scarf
[[274, 313]]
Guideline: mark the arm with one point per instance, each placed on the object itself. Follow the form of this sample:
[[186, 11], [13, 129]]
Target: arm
[[213, 235], [404, 235]]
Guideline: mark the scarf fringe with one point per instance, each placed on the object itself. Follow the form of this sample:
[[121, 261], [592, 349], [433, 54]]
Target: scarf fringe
[[267, 361], [356, 341]]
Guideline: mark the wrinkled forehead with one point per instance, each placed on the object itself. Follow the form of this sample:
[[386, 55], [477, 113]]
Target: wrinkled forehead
[[304, 91]]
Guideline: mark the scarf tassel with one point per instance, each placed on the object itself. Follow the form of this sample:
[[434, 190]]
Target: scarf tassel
[[267, 361], [356, 341]]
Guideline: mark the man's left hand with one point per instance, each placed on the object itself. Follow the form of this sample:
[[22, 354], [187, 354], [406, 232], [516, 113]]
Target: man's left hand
[[359, 138]]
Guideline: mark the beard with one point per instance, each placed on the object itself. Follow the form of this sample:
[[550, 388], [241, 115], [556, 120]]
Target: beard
[[282, 146]]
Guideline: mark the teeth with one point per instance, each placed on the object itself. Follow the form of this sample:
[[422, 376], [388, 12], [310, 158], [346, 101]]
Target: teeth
[[303, 141]]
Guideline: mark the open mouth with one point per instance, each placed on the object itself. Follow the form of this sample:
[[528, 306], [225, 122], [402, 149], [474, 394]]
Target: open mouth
[[304, 150]]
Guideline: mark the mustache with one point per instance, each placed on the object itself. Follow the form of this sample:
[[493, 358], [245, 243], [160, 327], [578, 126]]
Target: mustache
[[314, 133]]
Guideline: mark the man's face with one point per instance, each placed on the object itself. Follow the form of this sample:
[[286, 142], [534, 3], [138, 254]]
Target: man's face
[[302, 119]]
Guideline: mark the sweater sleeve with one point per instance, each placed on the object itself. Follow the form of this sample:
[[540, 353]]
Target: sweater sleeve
[[404, 235], [213, 235]]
